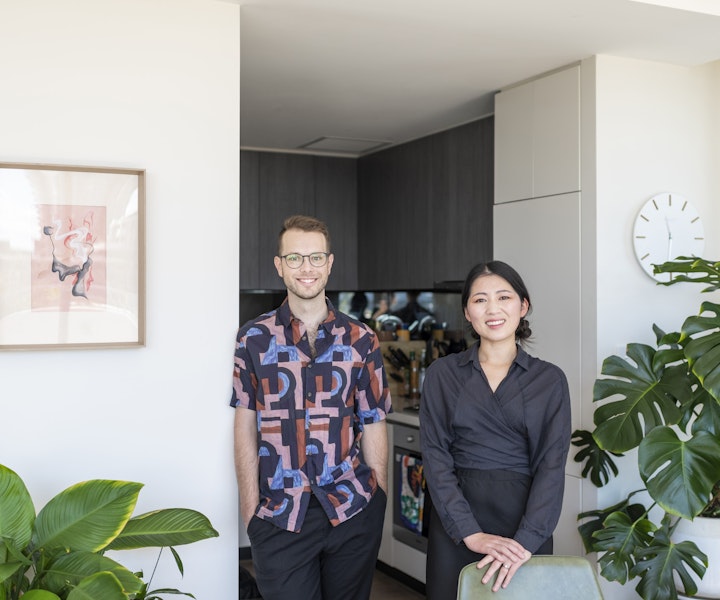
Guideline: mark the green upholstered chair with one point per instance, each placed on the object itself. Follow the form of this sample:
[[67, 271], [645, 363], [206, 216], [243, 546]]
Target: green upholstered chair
[[540, 578]]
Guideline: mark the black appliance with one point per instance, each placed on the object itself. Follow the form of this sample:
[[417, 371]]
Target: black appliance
[[411, 501]]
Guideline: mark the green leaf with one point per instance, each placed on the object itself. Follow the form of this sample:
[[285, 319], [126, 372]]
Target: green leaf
[[598, 466], [178, 560], [168, 527], [703, 351], [86, 516], [709, 418], [596, 520], [101, 586], [39, 595], [7, 570], [703, 271], [649, 398], [17, 512], [679, 474], [660, 558], [620, 539], [74, 567], [167, 591]]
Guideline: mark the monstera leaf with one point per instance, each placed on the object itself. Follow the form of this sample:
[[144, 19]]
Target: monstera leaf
[[679, 474], [619, 539], [703, 271], [709, 418], [596, 519], [703, 351], [660, 559], [599, 466], [649, 393]]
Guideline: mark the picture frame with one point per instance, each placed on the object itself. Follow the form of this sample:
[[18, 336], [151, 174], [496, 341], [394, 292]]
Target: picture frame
[[72, 257]]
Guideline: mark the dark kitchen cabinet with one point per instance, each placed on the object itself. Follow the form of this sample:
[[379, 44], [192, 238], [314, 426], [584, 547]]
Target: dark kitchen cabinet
[[461, 202], [249, 221], [394, 188], [274, 186], [426, 209], [336, 204]]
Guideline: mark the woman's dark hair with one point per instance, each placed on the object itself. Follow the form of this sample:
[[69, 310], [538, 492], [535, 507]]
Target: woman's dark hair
[[504, 270]]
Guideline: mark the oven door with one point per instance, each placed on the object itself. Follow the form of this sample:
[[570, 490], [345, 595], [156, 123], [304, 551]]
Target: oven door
[[411, 502]]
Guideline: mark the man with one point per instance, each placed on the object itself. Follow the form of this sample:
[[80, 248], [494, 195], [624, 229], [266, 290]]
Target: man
[[311, 451]]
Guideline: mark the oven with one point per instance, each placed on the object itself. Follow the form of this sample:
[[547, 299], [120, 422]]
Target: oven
[[411, 501]]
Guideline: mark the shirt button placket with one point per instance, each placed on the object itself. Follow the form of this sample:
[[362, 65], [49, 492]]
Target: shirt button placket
[[308, 394], [308, 376]]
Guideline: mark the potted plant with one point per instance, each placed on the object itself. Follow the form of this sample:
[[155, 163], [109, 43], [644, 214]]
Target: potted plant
[[664, 402], [60, 553]]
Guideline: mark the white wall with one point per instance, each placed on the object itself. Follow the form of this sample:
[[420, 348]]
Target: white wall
[[657, 130], [150, 84]]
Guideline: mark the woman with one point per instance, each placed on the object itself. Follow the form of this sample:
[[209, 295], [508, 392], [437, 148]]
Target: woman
[[495, 433]]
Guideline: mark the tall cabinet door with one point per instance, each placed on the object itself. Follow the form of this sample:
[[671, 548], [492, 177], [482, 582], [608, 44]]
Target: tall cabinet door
[[548, 260], [556, 133], [537, 137], [514, 144]]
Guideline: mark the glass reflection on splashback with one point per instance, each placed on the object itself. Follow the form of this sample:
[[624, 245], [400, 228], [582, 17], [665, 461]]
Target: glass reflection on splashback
[[445, 306]]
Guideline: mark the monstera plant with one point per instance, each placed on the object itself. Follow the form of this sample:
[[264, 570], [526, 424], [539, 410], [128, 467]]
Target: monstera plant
[[663, 401], [60, 553]]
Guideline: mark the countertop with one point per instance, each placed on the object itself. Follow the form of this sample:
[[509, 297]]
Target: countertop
[[409, 417]]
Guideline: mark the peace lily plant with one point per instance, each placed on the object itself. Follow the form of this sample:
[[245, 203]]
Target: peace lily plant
[[60, 553], [663, 401]]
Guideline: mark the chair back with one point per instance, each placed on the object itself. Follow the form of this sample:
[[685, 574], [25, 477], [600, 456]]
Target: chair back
[[540, 578]]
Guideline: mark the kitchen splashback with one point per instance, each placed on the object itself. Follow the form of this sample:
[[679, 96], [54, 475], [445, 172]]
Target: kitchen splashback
[[445, 306]]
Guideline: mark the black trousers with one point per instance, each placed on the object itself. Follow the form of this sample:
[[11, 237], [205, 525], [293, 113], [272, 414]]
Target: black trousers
[[497, 500], [321, 562]]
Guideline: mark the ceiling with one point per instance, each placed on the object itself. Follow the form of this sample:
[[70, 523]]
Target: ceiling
[[364, 73]]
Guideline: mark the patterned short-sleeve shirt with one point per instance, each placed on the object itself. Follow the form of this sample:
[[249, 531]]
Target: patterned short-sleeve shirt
[[311, 410]]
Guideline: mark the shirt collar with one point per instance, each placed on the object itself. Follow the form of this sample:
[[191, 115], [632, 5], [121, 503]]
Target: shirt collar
[[471, 356], [285, 316]]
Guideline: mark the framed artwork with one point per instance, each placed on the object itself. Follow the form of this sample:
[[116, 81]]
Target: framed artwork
[[72, 257]]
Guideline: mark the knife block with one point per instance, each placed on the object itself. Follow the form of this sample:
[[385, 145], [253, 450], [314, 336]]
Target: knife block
[[397, 389]]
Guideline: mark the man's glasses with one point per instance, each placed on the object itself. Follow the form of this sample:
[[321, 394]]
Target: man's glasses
[[316, 259]]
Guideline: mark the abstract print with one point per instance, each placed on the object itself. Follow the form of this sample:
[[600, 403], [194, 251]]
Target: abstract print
[[69, 257]]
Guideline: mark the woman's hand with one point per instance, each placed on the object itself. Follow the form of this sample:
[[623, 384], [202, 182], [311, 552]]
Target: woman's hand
[[504, 555]]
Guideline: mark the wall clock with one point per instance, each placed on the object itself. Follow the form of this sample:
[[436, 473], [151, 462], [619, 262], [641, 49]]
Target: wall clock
[[666, 227]]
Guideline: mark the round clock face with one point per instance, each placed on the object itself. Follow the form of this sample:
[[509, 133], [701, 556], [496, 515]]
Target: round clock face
[[666, 227]]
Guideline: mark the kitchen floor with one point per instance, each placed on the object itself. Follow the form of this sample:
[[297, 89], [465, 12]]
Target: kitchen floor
[[384, 587]]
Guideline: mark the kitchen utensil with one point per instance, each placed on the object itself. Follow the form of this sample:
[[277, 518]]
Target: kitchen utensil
[[393, 361]]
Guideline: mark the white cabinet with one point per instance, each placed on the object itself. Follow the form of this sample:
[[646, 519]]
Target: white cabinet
[[537, 137], [541, 239]]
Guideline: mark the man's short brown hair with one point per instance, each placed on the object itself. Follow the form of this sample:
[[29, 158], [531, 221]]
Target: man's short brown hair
[[304, 223]]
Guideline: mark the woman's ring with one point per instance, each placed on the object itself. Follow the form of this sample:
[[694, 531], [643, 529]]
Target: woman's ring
[[506, 566]]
